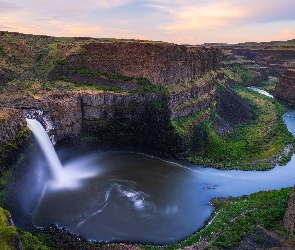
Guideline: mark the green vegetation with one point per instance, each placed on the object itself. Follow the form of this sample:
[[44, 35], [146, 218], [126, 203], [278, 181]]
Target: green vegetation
[[143, 85], [52, 45], [185, 125], [6, 151], [240, 74], [60, 62], [13, 145], [2, 51], [32, 242], [39, 57], [250, 145], [198, 82], [8, 233], [157, 105], [269, 84], [234, 218]]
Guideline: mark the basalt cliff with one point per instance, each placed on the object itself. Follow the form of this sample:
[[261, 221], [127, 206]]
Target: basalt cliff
[[285, 88], [125, 94], [116, 93]]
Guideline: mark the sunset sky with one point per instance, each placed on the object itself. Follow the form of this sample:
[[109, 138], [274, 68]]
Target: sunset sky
[[186, 21]]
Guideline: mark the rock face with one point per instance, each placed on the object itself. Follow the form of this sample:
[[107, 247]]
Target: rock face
[[285, 88], [133, 114], [11, 121], [140, 118], [160, 63], [289, 219], [12, 124], [233, 110]]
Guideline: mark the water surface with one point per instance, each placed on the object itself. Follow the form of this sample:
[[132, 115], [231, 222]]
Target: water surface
[[131, 196]]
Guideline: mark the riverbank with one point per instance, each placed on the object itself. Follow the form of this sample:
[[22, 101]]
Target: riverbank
[[258, 144], [251, 220]]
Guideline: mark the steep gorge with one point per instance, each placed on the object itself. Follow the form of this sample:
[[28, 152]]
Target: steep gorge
[[164, 82], [151, 119]]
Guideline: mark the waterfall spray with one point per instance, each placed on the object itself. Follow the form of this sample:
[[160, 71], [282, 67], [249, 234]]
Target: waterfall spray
[[67, 176]]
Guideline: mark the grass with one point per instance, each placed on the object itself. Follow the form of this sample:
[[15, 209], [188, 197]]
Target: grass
[[240, 74], [198, 82], [2, 51], [143, 85], [8, 233], [269, 84], [234, 218], [184, 126], [251, 145]]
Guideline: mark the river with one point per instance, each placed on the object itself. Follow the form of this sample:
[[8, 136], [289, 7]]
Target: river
[[134, 197]]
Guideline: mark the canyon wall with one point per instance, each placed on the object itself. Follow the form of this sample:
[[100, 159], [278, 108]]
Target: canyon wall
[[289, 219], [160, 63], [277, 58], [285, 88], [12, 124], [144, 119], [132, 115]]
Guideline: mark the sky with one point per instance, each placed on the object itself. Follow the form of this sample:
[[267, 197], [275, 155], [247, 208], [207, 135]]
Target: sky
[[180, 22]]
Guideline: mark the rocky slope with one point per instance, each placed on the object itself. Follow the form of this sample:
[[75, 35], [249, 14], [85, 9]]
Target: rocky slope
[[148, 95], [97, 100], [160, 63], [276, 56], [12, 125], [289, 219], [285, 88]]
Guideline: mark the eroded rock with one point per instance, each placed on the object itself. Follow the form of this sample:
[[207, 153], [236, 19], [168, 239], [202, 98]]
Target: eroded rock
[[289, 219], [285, 88]]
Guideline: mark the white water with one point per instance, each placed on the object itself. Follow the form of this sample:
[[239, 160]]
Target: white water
[[68, 176], [47, 148], [261, 91]]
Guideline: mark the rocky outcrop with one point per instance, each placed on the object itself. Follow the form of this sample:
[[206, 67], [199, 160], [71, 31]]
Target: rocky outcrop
[[146, 118], [285, 88], [61, 111], [233, 110], [11, 122], [160, 63], [246, 73], [289, 219], [121, 92], [5, 75], [12, 134]]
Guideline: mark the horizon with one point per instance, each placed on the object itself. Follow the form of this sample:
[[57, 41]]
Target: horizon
[[135, 40], [187, 22]]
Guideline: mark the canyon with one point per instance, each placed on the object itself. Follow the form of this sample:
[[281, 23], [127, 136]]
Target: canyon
[[127, 94]]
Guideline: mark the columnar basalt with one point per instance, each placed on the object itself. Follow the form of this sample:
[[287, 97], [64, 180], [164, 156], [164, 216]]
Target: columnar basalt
[[61, 111], [12, 122], [285, 88], [160, 63]]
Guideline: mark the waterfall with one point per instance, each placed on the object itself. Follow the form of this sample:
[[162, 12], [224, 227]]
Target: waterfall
[[47, 148], [69, 175]]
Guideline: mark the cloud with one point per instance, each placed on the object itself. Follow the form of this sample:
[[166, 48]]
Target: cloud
[[215, 15], [286, 34], [82, 29], [3, 27], [5, 6], [77, 6]]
